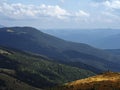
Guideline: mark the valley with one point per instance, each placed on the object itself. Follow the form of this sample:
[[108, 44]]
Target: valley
[[59, 44]]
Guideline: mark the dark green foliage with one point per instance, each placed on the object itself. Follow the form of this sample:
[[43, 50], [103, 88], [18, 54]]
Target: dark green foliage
[[7, 82], [2, 83], [40, 71]]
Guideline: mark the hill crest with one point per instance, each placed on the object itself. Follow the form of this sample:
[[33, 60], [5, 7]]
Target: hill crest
[[111, 76], [105, 81]]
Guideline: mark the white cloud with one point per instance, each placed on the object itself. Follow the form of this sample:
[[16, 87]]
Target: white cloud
[[54, 11], [113, 4], [108, 9], [23, 11], [82, 13], [109, 4]]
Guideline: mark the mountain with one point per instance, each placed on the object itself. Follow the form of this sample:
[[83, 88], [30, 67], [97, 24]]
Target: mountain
[[105, 81], [35, 70], [95, 37], [75, 54]]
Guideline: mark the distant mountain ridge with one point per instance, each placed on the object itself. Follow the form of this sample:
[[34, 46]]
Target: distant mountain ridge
[[100, 38], [76, 54]]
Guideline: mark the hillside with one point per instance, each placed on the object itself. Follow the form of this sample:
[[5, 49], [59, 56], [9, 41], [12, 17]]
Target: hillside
[[8, 82], [75, 54], [37, 70], [105, 81]]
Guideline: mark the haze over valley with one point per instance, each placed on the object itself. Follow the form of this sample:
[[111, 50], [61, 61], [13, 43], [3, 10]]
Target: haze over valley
[[99, 38]]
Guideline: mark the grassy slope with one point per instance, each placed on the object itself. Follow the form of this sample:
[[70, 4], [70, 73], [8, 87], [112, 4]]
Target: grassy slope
[[106, 81], [40, 71]]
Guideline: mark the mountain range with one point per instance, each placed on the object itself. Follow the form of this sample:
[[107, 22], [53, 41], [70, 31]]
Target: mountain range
[[100, 38], [33, 60], [76, 54]]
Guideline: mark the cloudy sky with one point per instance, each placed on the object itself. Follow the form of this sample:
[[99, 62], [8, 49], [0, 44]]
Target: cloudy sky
[[60, 13]]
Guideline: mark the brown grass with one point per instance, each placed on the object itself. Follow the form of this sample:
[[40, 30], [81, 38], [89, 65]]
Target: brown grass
[[106, 81]]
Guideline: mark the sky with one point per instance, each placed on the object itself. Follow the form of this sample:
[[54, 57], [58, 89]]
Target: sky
[[61, 14]]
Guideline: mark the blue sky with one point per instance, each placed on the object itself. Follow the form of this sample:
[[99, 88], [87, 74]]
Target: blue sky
[[60, 14]]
